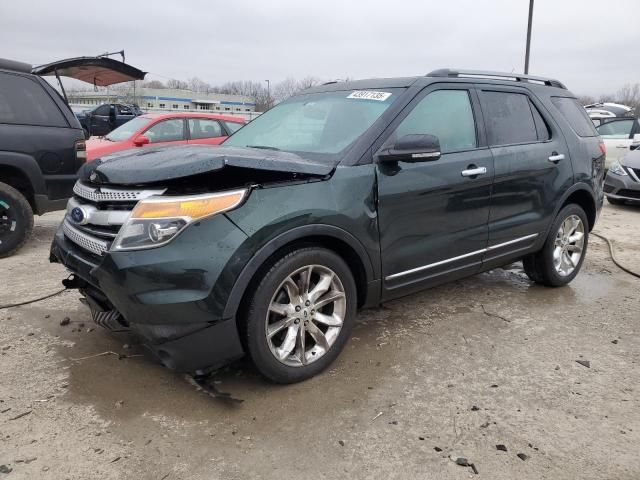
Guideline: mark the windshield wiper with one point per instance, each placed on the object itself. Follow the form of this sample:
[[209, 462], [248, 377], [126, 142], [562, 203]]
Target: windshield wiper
[[264, 147]]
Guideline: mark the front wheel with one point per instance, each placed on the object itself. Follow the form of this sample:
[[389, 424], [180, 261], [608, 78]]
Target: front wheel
[[563, 252], [300, 315]]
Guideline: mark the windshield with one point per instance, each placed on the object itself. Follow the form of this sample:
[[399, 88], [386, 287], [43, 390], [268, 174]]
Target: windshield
[[124, 132], [319, 123]]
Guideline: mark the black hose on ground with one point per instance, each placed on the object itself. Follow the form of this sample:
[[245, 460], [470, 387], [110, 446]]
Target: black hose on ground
[[613, 256], [34, 300]]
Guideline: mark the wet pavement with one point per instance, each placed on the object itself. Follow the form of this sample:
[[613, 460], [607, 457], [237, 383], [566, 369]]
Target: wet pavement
[[450, 372]]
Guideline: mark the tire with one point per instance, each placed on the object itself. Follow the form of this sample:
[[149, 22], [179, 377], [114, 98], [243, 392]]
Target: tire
[[271, 293], [541, 266], [616, 201], [16, 220]]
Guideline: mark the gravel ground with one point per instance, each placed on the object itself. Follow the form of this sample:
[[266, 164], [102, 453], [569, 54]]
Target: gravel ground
[[449, 372]]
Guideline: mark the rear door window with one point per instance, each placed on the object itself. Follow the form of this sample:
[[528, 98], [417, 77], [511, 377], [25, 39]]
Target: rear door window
[[204, 128], [576, 115], [24, 101], [509, 118], [616, 129], [541, 126]]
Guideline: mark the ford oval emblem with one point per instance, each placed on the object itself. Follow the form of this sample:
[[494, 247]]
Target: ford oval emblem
[[78, 216]]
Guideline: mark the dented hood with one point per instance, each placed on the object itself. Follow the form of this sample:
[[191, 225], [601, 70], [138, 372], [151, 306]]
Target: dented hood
[[160, 164]]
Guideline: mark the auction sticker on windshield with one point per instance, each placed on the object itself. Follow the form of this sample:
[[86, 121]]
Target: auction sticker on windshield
[[369, 95]]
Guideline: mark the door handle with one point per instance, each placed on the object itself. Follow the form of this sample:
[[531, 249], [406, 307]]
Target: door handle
[[556, 157], [472, 172], [622, 146]]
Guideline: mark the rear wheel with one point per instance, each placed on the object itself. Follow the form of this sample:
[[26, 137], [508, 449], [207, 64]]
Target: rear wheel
[[563, 252], [16, 220], [301, 315]]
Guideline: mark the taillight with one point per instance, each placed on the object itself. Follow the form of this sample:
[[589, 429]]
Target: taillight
[[603, 147], [81, 151]]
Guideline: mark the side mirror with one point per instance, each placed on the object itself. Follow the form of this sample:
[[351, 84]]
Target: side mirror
[[636, 138], [140, 141], [413, 148]]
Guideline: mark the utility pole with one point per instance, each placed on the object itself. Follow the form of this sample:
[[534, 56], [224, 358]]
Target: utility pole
[[268, 93], [526, 55]]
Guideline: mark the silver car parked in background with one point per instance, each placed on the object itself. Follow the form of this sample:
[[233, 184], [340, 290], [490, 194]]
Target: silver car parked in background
[[622, 183]]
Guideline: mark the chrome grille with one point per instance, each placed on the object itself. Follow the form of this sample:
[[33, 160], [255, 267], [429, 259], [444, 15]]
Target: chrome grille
[[103, 211], [83, 240], [102, 194]]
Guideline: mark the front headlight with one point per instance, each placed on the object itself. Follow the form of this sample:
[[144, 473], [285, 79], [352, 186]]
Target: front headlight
[[617, 169], [155, 221]]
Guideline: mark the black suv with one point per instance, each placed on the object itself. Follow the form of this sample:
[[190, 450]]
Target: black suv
[[106, 117], [346, 195], [41, 148]]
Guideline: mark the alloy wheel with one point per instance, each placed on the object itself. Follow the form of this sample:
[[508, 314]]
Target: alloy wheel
[[568, 246], [305, 315]]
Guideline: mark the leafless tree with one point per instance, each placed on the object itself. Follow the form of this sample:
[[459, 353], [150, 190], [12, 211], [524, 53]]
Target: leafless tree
[[290, 86], [606, 98], [247, 88], [285, 89], [586, 99], [177, 84], [308, 82], [629, 95], [199, 86], [153, 84]]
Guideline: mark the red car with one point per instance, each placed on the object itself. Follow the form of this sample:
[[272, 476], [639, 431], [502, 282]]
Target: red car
[[165, 129]]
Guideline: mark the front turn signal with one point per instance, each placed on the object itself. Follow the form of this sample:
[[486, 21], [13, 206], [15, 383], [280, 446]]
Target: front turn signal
[[191, 207]]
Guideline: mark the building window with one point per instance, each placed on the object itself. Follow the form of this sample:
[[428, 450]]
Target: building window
[[238, 109], [217, 108], [175, 106], [203, 107], [186, 107], [162, 105], [149, 105], [247, 109], [226, 109]]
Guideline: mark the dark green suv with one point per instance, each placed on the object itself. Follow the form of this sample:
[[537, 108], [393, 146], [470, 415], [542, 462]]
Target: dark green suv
[[344, 196]]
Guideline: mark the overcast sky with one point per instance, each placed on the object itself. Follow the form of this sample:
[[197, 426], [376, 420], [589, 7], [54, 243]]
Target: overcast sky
[[591, 45]]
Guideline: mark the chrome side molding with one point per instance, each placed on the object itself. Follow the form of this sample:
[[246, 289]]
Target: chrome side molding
[[460, 257]]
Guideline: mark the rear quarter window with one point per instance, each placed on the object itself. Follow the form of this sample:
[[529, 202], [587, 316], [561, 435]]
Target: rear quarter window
[[576, 115], [510, 119], [23, 101]]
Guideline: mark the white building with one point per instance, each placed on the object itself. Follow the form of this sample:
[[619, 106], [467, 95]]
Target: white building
[[168, 100]]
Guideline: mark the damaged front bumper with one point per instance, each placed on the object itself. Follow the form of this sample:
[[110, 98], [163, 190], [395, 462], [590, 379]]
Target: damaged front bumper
[[170, 297]]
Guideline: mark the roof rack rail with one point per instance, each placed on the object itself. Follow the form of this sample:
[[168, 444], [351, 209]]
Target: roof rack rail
[[517, 77], [12, 65]]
